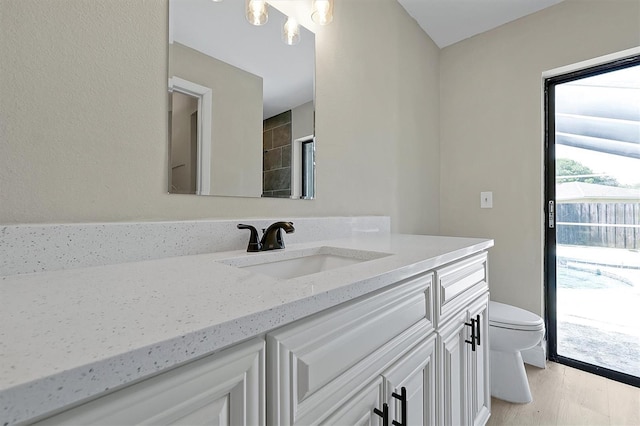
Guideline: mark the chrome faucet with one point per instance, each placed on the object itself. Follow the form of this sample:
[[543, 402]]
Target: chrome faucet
[[271, 237]]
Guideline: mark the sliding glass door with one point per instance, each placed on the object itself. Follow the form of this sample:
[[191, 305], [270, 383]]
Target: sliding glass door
[[593, 219]]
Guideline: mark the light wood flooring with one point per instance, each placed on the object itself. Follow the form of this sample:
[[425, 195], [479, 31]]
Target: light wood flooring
[[565, 396]]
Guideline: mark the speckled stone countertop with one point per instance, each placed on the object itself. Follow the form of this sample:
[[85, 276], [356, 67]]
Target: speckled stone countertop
[[67, 336]]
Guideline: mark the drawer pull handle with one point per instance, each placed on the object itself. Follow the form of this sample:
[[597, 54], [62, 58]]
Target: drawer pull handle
[[384, 414], [473, 340], [478, 329], [403, 403]]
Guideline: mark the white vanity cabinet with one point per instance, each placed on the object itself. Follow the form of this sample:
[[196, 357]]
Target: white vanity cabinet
[[337, 366], [343, 365], [463, 346], [226, 388], [404, 350]]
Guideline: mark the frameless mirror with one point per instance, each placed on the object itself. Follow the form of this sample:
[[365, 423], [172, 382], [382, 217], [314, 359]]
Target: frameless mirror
[[241, 103]]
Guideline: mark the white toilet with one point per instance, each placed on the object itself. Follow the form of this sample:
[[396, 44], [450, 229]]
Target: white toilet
[[511, 330]]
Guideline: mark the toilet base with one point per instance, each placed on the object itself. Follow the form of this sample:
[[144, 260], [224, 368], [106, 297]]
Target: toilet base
[[509, 378]]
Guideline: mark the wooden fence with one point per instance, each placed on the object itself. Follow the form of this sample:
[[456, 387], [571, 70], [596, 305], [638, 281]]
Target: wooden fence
[[615, 225]]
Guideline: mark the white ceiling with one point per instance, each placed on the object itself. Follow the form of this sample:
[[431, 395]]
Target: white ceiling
[[450, 21]]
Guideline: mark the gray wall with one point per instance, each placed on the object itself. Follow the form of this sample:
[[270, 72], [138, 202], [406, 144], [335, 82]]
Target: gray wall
[[491, 130], [84, 117]]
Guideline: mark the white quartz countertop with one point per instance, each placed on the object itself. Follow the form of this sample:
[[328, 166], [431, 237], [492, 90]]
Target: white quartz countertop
[[66, 336]]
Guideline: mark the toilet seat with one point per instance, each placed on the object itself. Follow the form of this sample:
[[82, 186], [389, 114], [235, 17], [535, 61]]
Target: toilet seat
[[513, 318]]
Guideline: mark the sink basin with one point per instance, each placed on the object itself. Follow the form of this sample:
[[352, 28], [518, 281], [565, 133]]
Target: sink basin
[[297, 263]]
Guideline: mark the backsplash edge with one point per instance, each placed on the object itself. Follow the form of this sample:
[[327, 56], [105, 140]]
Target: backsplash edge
[[33, 248]]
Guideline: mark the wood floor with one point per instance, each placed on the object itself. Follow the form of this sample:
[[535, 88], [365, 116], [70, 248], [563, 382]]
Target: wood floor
[[565, 396]]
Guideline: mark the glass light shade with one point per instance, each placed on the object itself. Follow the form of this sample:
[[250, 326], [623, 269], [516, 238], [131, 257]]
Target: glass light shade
[[256, 11], [322, 11], [291, 32]]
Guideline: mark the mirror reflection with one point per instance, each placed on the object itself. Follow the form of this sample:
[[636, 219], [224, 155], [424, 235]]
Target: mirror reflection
[[241, 103]]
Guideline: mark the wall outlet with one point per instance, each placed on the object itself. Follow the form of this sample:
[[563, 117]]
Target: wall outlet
[[486, 200]]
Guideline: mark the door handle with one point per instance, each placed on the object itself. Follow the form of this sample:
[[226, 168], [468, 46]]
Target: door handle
[[478, 329]]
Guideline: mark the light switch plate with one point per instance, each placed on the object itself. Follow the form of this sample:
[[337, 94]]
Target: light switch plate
[[486, 200]]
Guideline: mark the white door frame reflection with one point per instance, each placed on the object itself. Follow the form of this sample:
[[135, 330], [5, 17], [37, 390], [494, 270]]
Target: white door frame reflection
[[203, 151]]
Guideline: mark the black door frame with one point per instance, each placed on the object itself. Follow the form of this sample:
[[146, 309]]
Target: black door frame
[[550, 230]]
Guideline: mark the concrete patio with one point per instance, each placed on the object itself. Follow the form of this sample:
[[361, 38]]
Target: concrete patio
[[598, 292]]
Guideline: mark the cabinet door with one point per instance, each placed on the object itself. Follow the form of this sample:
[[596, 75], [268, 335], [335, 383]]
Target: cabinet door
[[416, 372], [453, 364], [480, 392], [318, 363], [222, 389], [360, 409]]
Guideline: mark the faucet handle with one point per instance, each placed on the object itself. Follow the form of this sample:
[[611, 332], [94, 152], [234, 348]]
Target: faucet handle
[[254, 242]]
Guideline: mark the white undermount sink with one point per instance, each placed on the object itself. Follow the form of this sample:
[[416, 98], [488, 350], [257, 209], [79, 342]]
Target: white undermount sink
[[286, 264]]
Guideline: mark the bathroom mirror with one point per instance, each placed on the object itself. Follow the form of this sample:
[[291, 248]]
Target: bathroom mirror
[[241, 103]]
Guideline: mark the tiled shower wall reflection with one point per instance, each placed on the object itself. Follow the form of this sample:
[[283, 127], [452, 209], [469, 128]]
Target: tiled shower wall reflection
[[276, 167]]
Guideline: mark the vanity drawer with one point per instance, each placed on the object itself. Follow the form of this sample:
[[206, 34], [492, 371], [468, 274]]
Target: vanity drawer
[[306, 356], [458, 283]]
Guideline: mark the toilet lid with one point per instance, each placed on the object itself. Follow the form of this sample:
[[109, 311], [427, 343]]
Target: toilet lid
[[507, 316]]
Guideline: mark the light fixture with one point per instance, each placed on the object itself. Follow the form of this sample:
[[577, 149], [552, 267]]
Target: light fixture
[[291, 32], [322, 11], [256, 12], [216, 1]]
